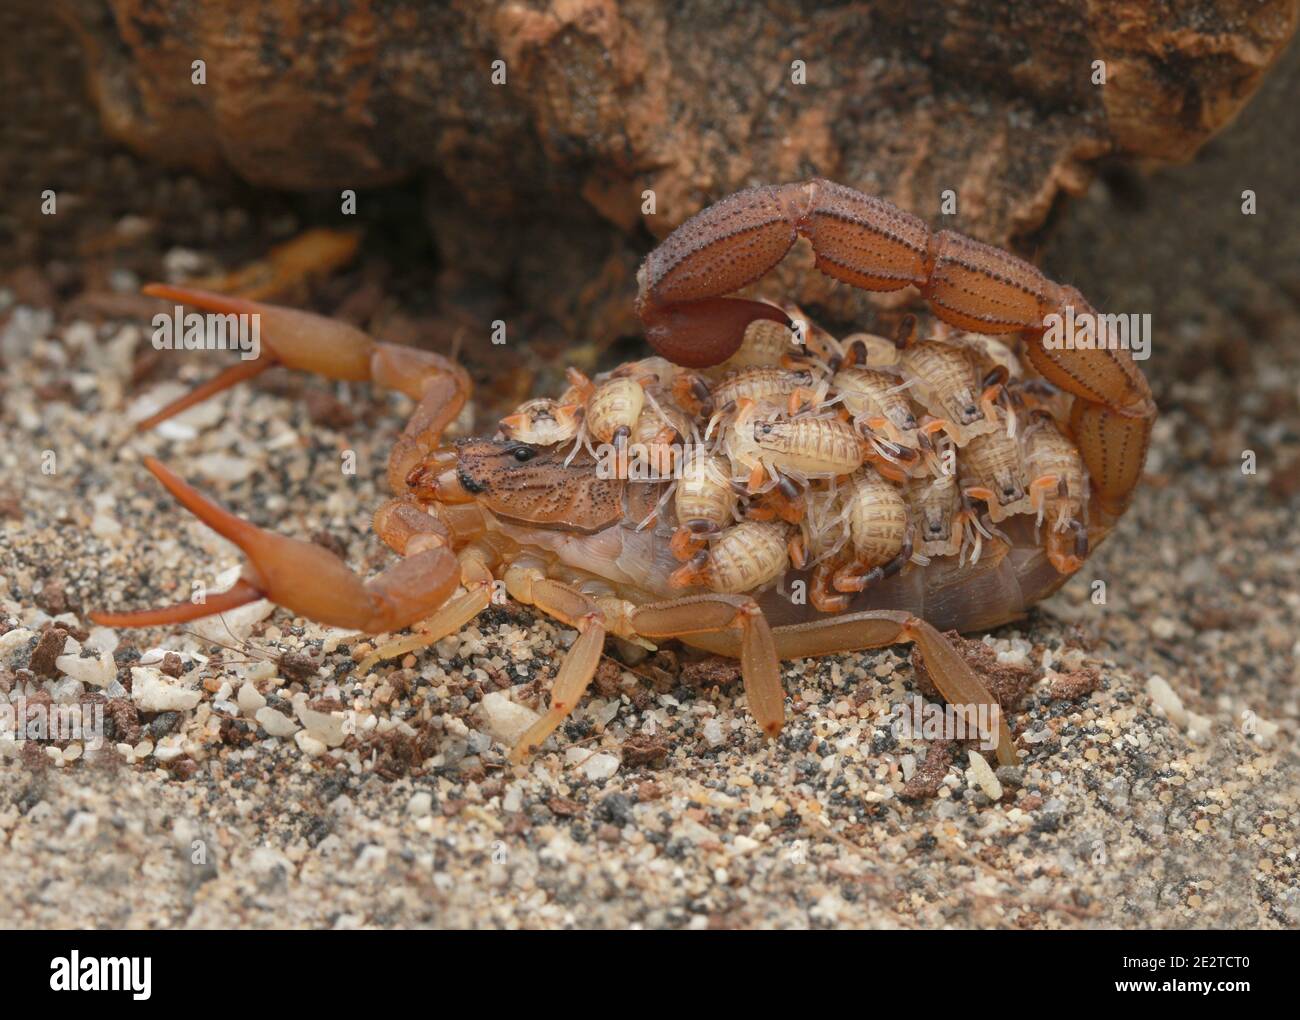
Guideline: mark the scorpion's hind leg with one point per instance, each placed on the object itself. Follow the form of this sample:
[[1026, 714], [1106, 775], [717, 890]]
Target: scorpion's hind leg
[[955, 679], [306, 578], [738, 618], [314, 343], [573, 608]]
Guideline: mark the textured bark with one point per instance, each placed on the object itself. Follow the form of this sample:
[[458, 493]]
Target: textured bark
[[537, 184]]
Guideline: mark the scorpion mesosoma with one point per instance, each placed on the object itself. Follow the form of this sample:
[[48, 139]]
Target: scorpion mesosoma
[[602, 555]]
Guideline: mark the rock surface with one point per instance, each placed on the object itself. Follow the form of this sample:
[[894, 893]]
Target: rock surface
[[535, 168]]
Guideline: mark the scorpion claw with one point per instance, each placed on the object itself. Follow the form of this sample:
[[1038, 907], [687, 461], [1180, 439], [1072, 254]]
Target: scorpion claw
[[241, 593], [294, 338], [305, 578], [228, 378]]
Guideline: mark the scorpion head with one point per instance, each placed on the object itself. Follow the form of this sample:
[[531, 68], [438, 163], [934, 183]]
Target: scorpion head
[[538, 485]]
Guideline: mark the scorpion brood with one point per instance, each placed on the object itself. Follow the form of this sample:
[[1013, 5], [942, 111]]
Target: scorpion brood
[[911, 484]]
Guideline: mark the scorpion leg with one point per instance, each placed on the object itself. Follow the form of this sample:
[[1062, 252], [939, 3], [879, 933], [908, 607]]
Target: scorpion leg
[[955, 679], [821, 594], [734, 615], [336, 350], [573, 608], [879, 628], [476, 578], [286, 267], [306, 578], [858, 575]]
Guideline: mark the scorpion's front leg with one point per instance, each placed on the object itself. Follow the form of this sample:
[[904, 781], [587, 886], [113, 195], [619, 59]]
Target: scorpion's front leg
[[334, 349], [308, 579], [476, 580], [527, 583]]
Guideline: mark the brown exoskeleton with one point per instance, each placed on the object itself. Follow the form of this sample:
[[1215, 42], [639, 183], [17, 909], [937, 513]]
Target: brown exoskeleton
[[576, 543]]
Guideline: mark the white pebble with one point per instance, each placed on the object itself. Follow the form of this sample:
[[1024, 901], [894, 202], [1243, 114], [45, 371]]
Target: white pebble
[[504, 719], [266, 859], [1167, 699], [104, 525], [744, 845], [250, 700], [102, 639], [372, 858], [980, 777], [83, 823], [15, 640], [327, 727], [1164, 628], [235, 623], [97, 672], [600, 766], [420, 804], [152, 694], [1264, 730], [275, 723], [1199, 728], [222, 467]]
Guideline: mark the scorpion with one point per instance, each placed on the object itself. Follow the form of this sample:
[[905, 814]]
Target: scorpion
[[897, 555]]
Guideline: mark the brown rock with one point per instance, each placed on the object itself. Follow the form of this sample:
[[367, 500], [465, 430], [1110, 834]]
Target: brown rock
[[48, 648], [538, 179]]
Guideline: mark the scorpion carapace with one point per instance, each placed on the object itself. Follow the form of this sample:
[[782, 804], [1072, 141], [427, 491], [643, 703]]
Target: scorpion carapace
[[750, 494], [533, 485]]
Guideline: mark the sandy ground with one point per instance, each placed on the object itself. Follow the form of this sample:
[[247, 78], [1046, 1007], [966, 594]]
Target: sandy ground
[[254, 777]]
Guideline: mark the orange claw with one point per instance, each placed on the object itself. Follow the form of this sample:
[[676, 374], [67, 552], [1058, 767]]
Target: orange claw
[[313, 343], [305, 578], [289, 337], [231, 376], [241, 593]]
